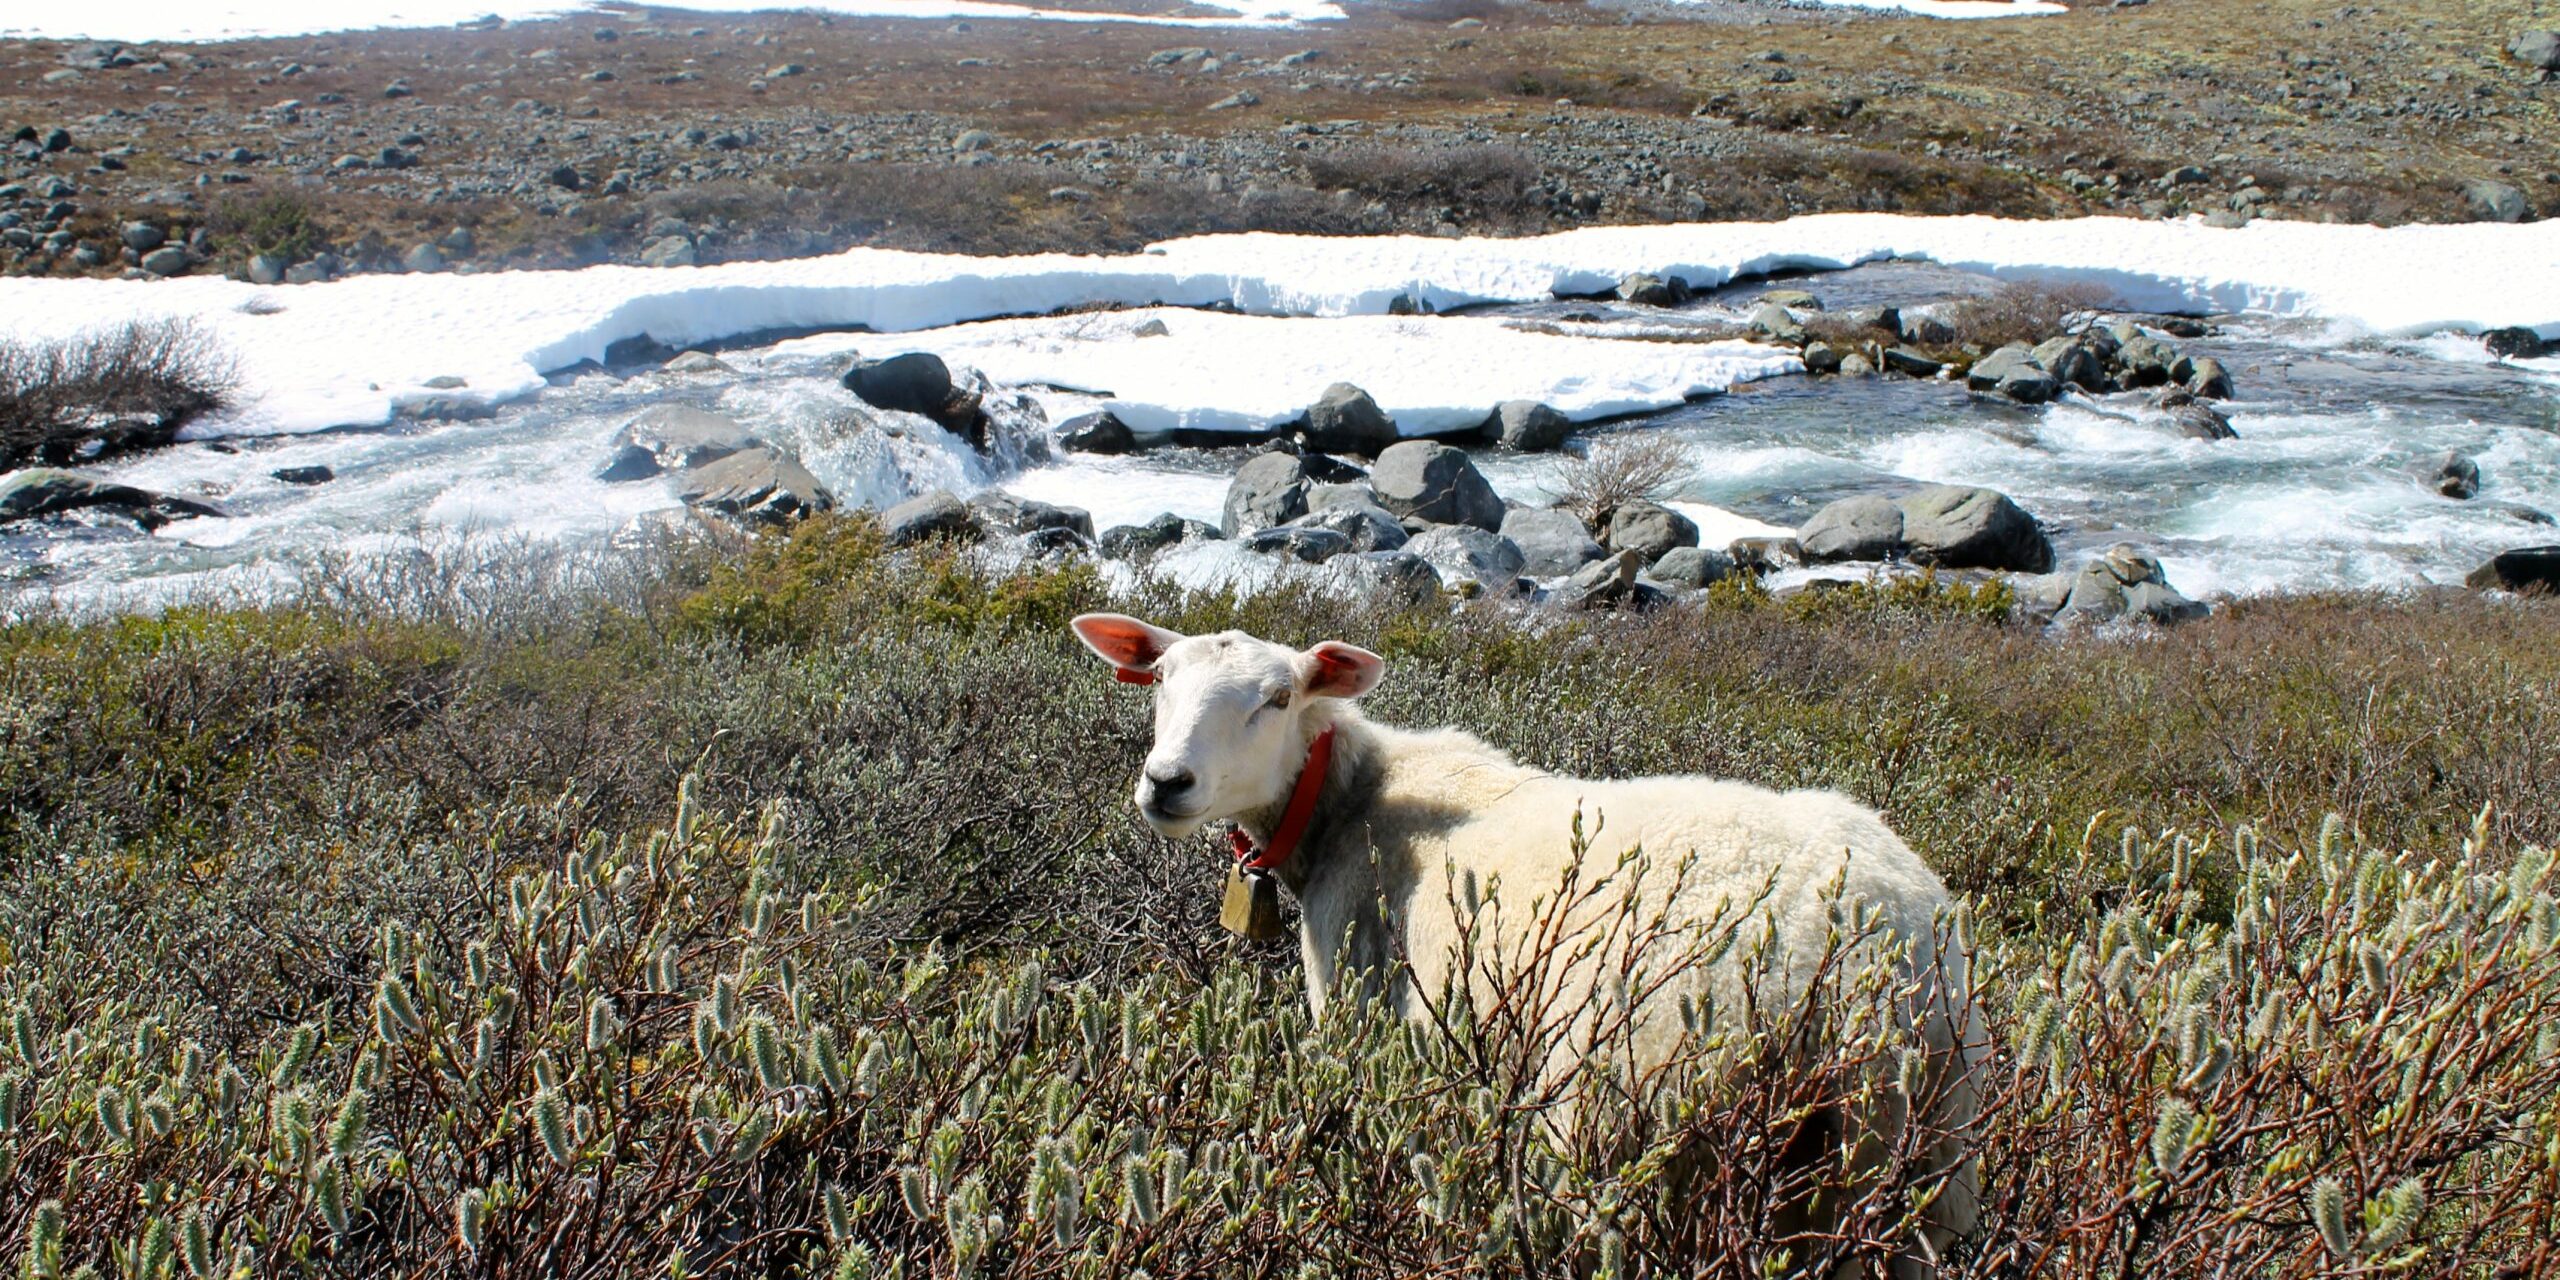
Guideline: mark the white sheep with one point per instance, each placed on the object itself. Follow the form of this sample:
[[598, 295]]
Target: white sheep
[[1408, 828]]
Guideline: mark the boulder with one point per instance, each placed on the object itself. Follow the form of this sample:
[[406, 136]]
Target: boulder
[[169, 260], [1101, 431], [1269, 490], [2208, 379], [2126, 585], [1008, 513], [1922, 329], [1322, 496], [1860, 528], [2515, 342], [1552, 541], [1777, 323], [1646, 289], [2494, 202], [423, 258], [1168, 530], [1876, 320], [1600, 584], [2525, 569], [1406, 576], [1345, 420], [760, 485], [933, 515], [1766, 554], [1468, 557], [304, 475], [1526, 425], [2193, 418], [1960, 527], [2452, 474], [1691, 568], [1365, 526], [1904, 360], [2013, 372], [672, 437], [916, 382], [696, 362], [1821, 357], [45, 491], [1649, 529], [2537, 49], [1793, 299], [1299, 542], [2070, 360], [1434, 483], [2145, 361]]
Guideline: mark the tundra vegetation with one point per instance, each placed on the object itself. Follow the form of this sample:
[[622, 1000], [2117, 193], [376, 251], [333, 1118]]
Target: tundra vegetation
[[775, 908]]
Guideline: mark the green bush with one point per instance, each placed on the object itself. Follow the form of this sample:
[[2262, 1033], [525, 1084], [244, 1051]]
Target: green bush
[[2272, 1039]]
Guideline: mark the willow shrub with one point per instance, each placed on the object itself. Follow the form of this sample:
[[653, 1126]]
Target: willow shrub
[[662, 1054]]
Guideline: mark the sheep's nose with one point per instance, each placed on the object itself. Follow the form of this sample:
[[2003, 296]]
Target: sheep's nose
[[1169, 779]]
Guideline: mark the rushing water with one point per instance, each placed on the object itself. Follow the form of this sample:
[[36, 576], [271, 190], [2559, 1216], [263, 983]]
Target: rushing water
[[2317, 492]]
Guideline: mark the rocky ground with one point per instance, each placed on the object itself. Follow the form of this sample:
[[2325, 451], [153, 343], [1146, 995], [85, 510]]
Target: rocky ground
[[665, 137]]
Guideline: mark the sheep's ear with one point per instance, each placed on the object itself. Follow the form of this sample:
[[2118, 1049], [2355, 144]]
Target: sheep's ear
[[1337, 670], [1125, 642]]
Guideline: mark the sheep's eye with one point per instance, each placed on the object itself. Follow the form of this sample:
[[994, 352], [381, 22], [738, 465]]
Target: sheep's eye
[[1281, 700]]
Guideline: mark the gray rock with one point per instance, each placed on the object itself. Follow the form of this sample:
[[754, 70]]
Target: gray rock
[[696, 362], [1526, 425], [1347, 493], [1646, 289], [1365, 526], [1008, 513], [1269, 490], [1600, 584], [1854, 365], [2537, 49], [669, 251], [2125, 585], [1860, 528], [2207, 378], [1468, 557], [1922, 329], [1298, 542], [1692, 568], [2013, 372], [2145, 361], [143, 237], [1958, 527], [304, 475], [2452, 474], [759, 485], [2194, 419], [2071, 360], [2525, 569], [313, 272], [1792, 299], [45, 491], [1427, 481], [1168, 530], [1821, 357], [671, 437], [1552, 541], [933, 515], [1904, 360], [1240, 98], [423, 257], [1345, 420], [2491, 201], [1101, 431], [268, 268], [168, 261], [1401, 574], [973, 140], [1778, 323], [1649, 529], [1759, 555], [2515, 342], [916, 382]]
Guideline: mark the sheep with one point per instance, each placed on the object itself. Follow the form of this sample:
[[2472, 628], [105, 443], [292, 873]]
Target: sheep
[[1409, 831]]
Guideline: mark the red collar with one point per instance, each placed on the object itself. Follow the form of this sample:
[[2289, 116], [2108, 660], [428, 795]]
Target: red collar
[[1132, 675], [1293, 820]]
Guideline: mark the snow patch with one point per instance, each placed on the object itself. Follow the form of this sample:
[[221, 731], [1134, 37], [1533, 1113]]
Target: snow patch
[[164, 21]]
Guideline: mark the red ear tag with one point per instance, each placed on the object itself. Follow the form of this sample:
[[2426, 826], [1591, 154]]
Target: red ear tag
[[1131, 675]]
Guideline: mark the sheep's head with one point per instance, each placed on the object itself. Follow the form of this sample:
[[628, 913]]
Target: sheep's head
[[1231, 713]]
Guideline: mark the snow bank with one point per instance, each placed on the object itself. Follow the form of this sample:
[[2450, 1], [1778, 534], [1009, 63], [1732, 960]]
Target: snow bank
[[167, 20], [353, 351], [1434, 375]]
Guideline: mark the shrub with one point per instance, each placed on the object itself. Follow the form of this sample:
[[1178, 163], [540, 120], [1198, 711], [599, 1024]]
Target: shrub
[[118, 389], [282, 223], [2027, 311], [1619, 469]]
